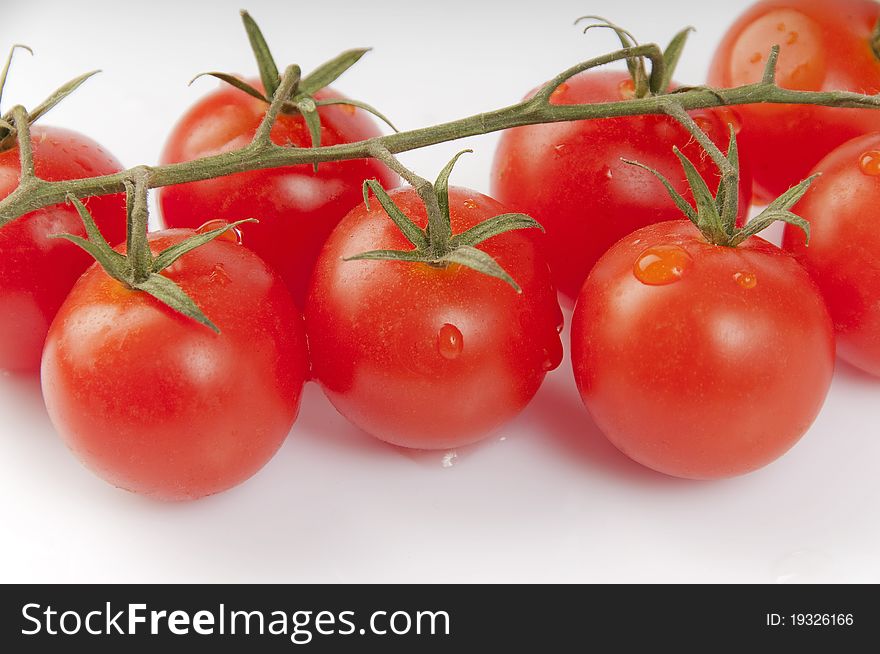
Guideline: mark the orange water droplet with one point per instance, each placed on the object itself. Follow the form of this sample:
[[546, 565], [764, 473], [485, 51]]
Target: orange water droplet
[[219, 275], [450, 342], [662, 264], [231, 235], [552, 354], [792, 38], [627, 89], [559, 91], [470, 203], [755, 58], [746, 279], [869, 162]]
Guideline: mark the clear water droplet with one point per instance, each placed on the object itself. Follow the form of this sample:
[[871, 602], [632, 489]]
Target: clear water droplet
[[232, 235], [449, 458], [608, 172], [552, 354], [219, 275], [662, 264], [558, 316], [746, 279], [502, 438], [470, 203], [450, 342], [559, 149], [869, 163]]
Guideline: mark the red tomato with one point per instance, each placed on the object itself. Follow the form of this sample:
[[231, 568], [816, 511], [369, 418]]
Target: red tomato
[[570, 177], [297, 208], [158, 404], [429, 357], [844, 252], [701, 361], [37, 272], [824, 46]]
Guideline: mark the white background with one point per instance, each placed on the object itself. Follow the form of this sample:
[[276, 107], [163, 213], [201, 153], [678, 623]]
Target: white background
[[546, 499]]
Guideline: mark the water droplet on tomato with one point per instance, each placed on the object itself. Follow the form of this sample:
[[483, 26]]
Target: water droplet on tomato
[[559, 91], [869, 163], [449, 458], [560, 318], [470, 203], [746, 279], [559, 149], [231, 235], [450, 342], [608, 172], [627, 89], [662, 264], [705, 124], [219, 275], [552, 354]]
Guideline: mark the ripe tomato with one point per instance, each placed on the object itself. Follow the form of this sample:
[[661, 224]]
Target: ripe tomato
[[824, 46], [424, 356], [157, 404], [37, 272], [570, 177], [697, 360], [297, 207], [844, 252]]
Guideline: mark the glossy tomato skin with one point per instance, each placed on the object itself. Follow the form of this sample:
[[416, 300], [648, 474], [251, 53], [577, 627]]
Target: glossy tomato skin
[[297, 208], [824, 46], [843, 256], [158, 404], [570, 177], [37, 272], [715, 372], [427, 357]]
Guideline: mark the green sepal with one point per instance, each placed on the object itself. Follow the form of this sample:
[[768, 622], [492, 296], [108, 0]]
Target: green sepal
[[265, 62], [635, 65], [413, 233], [58, 95], [360, 105], [5, 72], [170, 294], [779, 211], [329, 72], [232, 80], [727, 198], [671, 57], [683, 205], [506, 222], [389, 255], [306, 106], [478, 260], [707, 211], [441, 190], [96, 245], [171, 254]]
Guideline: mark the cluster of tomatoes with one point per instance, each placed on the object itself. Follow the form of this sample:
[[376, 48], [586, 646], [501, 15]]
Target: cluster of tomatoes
[[696, 359]]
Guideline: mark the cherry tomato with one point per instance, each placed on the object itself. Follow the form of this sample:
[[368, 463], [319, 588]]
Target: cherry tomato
[[37, 272], [158, 404], [297, 207], [697, 360], [570, 177], [824, 46], [423, 356], [843, 256]]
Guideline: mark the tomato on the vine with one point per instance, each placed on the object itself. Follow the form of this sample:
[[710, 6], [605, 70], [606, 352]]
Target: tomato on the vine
[[699, 360], [843, 255], [37, 271], [569, 176], [824, 46], [429, 356], [296, 206], [154, 402]]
